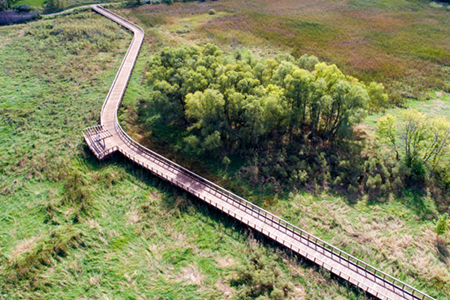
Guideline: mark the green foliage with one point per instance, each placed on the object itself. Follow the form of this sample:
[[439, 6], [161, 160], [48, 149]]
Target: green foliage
[[420, 142], [54, 5], [22, 8], [235, 101], [442, 224], [132, 3], [212, 12], [260, 278], [3, 5]]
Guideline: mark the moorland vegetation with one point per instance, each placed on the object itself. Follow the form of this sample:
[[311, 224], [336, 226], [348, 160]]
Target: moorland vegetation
[[73, 227]]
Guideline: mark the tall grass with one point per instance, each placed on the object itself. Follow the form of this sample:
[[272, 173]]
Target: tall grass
[[393, 234], [72, 227]]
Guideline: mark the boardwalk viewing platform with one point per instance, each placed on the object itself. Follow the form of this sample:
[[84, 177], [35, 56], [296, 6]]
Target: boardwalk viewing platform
[[109, 137]]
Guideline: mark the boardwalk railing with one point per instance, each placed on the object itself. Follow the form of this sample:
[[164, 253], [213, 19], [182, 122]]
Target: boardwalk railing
[[141, 155]]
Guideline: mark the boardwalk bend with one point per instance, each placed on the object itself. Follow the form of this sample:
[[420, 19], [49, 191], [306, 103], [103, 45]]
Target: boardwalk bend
[[109, 137]]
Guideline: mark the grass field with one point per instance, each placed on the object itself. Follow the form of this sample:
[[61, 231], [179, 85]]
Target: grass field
[[403, 44], [33, 3], [394, 234], [72, 227]]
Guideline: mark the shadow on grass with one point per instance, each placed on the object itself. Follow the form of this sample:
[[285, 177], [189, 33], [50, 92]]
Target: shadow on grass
[[416, 200], [443, 251]]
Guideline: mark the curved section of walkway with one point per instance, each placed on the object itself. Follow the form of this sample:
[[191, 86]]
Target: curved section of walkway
[[109, 137]]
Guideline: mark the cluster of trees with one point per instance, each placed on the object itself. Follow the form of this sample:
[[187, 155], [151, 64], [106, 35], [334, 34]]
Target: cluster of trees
[[6, 4], [231, 102], [293, 120]]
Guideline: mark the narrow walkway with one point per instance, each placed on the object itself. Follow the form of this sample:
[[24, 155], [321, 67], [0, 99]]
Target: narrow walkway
[[109, 137]]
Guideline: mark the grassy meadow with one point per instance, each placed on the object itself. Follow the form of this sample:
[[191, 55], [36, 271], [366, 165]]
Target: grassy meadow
[[33, 3], [393, 234], [403, 44], [73, 227]]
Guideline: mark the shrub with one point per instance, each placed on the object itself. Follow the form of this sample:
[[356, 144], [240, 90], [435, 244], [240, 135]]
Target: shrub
[[3, 5], [212, 12], [22, 8], [183, 30], [259, 277]]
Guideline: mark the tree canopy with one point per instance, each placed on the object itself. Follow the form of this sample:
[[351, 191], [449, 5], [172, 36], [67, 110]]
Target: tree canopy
[[418, 141], [239, 100]]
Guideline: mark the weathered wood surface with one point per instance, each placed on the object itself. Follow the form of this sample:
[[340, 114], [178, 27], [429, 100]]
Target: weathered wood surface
[[109, 137]]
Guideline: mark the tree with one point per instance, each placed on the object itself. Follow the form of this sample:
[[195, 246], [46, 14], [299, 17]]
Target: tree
[[4, 5], [298, 85], [442, 225], [416, 139], [378, 99]]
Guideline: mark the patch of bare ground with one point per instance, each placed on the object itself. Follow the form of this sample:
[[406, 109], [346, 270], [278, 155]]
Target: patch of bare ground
[[225, 262], [224, 288], [23, 247], [192, 275]]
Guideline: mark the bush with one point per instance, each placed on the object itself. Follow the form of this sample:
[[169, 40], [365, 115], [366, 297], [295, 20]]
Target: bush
[[259, 278], [22, 8], [183, 30], [212, 12], [3, 5], [168, 2]]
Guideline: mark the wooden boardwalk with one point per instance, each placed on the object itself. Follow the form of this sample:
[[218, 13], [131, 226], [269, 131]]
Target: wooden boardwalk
[[109, 137]]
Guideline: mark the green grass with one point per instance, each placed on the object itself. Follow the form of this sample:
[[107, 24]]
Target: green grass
[[394, 234], [33, 3], [73, 227], [437, 105]]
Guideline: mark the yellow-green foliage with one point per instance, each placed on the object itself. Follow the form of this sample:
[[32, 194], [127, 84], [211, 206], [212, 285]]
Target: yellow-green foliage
[[237, 100], [415, 137], [261, 278]]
